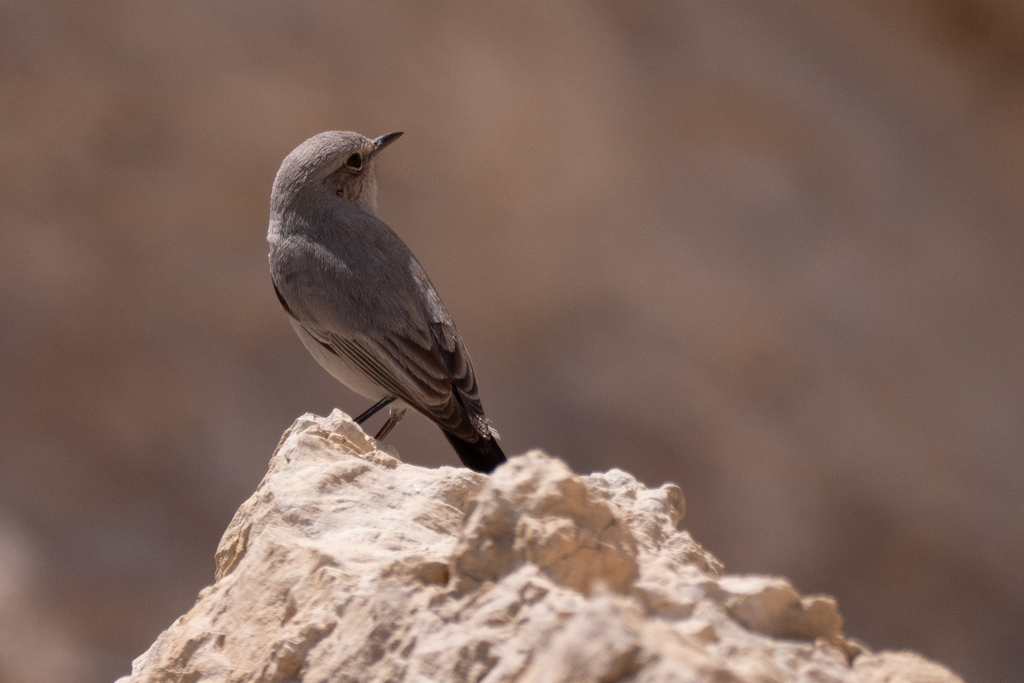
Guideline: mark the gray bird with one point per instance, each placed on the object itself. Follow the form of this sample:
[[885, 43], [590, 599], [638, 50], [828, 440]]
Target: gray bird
[[360, 301]]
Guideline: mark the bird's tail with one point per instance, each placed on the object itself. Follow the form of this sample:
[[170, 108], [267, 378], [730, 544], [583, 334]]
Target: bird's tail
[[482, 455]]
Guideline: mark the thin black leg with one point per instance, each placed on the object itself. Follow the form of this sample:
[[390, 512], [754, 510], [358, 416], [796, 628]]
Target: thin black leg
[[372, 410], [386, 428], [393, 419]]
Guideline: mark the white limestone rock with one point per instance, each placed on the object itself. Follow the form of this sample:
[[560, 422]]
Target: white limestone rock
[[348, 565]]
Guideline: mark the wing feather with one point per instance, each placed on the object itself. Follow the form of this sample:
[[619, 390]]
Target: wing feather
[[387, 323], [410, 372]]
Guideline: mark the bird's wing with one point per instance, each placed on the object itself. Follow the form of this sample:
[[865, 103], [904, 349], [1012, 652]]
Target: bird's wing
[[448, 344], [408, 367], [388, 322], [456, 360]]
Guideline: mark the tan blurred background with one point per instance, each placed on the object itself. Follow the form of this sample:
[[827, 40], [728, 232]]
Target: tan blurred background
[[771, 251]]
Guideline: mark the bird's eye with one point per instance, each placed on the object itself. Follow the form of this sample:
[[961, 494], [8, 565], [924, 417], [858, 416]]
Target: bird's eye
[[355, 161]]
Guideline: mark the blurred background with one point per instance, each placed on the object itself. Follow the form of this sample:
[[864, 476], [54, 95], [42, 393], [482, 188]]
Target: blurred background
[[770, 251]]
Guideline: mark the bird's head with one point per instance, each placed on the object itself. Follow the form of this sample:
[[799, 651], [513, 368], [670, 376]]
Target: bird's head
[[335, 163]]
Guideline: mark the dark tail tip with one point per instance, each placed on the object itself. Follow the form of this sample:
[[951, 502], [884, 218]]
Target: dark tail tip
[[482, 456]]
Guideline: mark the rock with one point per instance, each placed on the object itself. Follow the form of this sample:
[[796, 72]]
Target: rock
[[773, 607], [537, 512], [348, 565]]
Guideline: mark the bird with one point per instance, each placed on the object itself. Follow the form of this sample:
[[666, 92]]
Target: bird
[[361, 303]]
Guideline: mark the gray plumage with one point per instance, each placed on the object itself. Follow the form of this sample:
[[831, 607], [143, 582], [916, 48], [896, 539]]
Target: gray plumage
[[360, 301]]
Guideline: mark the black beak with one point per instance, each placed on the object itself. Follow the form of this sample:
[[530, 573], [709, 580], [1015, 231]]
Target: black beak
[[385, 140]]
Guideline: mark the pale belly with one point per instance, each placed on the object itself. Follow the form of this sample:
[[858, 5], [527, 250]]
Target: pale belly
[[340, 369]]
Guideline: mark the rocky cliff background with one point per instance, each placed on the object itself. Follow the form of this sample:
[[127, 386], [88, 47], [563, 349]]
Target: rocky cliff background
[[773, 253]]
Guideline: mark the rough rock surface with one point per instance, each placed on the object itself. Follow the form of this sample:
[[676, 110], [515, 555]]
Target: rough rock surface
[[348, 565]]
